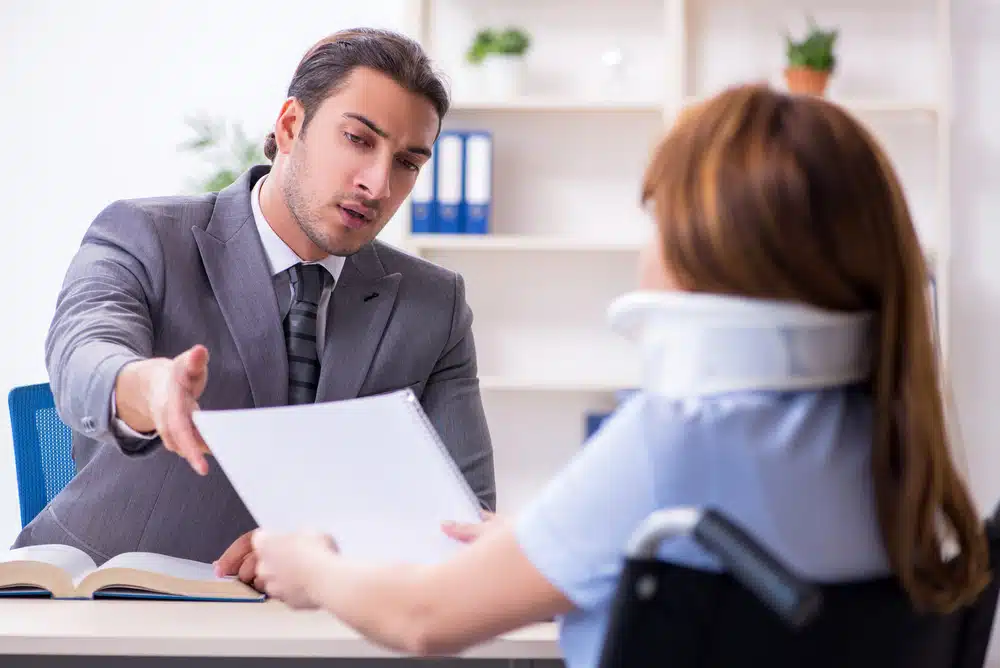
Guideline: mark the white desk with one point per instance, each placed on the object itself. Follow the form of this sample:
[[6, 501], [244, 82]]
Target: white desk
[[216, 630]]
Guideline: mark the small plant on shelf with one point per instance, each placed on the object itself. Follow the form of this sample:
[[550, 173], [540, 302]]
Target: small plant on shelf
[[512, 42], [501, 55], [811, 61]]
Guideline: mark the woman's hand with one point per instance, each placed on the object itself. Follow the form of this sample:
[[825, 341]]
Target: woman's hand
[[467, 533], [288, 563]]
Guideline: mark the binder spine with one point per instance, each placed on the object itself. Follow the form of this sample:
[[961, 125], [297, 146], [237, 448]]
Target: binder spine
[[422, 202], [418, 413], [449, 182], [478, 182]]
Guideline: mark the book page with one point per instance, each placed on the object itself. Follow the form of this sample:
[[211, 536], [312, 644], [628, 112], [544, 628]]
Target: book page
[[161, 564], [74, 562], [155, 576], [370, 472]]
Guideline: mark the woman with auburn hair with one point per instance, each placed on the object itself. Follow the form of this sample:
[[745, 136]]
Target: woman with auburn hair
[[790, 381]]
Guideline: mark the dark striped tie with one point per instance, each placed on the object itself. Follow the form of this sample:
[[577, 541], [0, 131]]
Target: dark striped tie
[[300, 332]]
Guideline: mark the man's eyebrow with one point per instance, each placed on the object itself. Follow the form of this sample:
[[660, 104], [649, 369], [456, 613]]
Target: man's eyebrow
[[371, 124], [419, 150]]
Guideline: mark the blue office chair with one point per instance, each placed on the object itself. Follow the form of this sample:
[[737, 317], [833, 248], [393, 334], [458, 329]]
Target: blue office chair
[[42, 448]]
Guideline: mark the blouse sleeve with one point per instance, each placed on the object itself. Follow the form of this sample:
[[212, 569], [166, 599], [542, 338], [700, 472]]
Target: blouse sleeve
[[576, 530]]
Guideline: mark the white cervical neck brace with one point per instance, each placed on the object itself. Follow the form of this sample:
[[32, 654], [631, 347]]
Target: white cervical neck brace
[[696, 344]]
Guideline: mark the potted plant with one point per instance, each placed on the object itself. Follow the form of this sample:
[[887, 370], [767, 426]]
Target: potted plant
[[811, 61], [501, 55]]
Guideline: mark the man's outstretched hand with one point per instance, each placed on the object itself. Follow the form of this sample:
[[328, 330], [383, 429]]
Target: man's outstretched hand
[[160, 395]]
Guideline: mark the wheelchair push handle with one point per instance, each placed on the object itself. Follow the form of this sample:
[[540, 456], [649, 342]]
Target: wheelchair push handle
[[793, 599]]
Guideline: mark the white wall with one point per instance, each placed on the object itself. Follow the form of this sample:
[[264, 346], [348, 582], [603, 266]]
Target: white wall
[[95, 95], [975, 295], [975, 325]]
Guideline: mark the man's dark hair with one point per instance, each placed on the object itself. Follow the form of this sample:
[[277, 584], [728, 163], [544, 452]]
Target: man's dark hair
[[326, 66]]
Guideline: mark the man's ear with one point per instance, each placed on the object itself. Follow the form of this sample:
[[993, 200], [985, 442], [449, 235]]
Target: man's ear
[[289, 124]]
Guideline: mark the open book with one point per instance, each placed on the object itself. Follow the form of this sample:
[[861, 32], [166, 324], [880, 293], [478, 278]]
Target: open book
[[62, 571]]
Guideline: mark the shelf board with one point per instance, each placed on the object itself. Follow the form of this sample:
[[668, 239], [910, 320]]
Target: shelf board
[[868, 106], [889, 107], [514, 384], [584, 104], [520, 242], [562, 103]]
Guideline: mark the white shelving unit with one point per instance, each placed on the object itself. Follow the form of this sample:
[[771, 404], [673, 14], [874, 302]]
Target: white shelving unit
[[566, 225], [520, 243], [557, 104]]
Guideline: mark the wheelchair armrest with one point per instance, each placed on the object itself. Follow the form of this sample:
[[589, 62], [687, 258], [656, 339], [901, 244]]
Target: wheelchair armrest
[[793, 599]]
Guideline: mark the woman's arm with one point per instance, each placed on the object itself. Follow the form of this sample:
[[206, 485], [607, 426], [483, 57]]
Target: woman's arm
[[488, 589], [563, 552]]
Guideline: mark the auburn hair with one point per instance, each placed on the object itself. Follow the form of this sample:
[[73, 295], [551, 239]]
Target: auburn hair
[[762, 194]]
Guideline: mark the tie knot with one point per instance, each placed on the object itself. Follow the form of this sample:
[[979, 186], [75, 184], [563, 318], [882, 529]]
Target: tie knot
[[308, 281]]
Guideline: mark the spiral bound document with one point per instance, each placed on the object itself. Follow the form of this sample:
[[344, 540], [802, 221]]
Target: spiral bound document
[[371, 472]]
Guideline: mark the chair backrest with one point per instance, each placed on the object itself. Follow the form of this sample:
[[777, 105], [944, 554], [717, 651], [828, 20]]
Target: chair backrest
[[42, 448], [698, 618]]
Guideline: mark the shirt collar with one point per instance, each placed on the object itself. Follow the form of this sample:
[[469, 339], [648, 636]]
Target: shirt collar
[[279, 256]]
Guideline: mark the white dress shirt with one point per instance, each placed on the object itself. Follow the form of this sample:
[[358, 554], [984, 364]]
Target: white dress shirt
[[280, 258]]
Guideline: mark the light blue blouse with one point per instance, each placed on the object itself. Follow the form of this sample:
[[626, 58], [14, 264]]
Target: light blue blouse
[[793, 467]]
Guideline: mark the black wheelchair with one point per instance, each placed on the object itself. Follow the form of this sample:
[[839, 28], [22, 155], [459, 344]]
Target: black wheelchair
[[757, 613]]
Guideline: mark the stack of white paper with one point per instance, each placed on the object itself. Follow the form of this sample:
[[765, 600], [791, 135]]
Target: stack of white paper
[[371, 472]]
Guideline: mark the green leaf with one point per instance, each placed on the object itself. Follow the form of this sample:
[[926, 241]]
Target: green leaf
[[221, 179], [207, 133], [480, 46], [510, 41], [816, 51], [228, 149]]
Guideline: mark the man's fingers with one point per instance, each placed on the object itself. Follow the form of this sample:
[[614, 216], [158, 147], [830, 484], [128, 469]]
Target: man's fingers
[[248, 569], [194, 362], [231, 560], [192, 445], [191, 370], [182, 437]]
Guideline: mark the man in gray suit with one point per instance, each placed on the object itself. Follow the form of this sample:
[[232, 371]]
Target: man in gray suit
[[274, 291]]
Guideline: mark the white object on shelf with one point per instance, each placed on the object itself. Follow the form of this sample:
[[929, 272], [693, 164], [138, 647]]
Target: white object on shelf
[[612, 78], [502, 75]]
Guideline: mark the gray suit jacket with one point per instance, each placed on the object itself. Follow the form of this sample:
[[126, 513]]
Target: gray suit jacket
[[154, 277]]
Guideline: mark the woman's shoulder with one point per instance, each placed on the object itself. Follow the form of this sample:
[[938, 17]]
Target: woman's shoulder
[[754, 413]]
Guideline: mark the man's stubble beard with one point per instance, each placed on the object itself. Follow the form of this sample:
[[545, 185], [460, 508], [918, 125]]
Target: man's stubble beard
[[298, 205]]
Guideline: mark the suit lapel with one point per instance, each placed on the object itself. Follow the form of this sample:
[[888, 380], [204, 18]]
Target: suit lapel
[[239, 274], [360, 306]]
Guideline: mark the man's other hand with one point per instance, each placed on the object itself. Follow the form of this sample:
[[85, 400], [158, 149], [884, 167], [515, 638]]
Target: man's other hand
[[239, 560]]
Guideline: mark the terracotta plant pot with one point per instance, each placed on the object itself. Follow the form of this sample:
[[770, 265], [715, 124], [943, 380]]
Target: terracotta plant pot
[[806, 81]]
